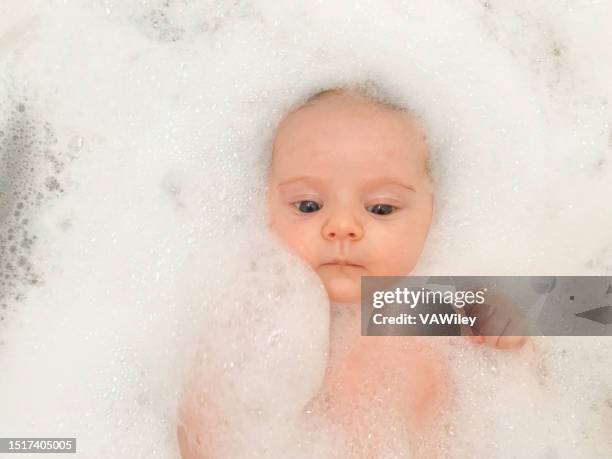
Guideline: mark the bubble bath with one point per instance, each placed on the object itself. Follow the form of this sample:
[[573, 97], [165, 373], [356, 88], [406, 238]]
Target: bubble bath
[[134, 142]]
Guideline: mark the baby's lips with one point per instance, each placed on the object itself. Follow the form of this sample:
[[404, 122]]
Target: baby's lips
[[341, 261]]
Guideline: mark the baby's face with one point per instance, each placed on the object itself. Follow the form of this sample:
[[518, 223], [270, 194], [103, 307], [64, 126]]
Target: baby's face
[[348, 191]]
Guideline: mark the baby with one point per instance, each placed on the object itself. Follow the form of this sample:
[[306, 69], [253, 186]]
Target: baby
[[350, 192]]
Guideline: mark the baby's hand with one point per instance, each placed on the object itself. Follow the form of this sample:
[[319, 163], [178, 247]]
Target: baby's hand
[[500, 342], [498, 324]]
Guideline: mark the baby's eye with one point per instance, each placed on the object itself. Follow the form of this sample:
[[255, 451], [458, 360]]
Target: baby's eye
[[307, 206], [381, 209]]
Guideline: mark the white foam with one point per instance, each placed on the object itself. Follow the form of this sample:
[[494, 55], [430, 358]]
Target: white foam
[[153, 118]]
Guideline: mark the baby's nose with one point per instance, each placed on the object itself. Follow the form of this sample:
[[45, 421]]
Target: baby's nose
[[342, 227]]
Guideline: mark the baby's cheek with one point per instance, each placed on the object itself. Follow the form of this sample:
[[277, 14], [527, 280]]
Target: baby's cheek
[[397, 259], [292, 236], [302, 243]]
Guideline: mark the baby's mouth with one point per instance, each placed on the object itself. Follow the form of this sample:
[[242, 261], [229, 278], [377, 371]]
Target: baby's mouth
[[341, 262]]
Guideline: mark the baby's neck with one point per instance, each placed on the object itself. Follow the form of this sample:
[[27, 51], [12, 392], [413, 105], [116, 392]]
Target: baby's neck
[[344, 326], [343, 316]]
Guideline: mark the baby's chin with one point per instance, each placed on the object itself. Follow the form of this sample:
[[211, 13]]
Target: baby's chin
[[342, 289]]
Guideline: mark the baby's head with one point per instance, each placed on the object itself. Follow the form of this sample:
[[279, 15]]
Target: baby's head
[[349, 189]]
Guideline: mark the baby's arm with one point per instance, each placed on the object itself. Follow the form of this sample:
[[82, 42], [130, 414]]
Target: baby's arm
[[193, 429], [189, 444], [200, 422]]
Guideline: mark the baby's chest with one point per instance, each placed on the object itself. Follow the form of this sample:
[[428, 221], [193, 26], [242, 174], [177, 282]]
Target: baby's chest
[[392, 372]]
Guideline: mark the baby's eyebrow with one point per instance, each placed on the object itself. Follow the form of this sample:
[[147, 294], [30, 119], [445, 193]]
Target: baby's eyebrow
[[305, 178], [377, 183]]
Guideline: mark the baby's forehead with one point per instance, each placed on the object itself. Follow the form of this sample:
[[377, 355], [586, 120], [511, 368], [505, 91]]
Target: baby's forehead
[[344, 119], [349, 137]]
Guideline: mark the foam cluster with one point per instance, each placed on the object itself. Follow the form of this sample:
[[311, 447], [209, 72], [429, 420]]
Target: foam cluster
[[134, 144]]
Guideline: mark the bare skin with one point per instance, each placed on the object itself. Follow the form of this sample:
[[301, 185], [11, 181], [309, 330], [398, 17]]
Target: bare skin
[[350, 194]]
